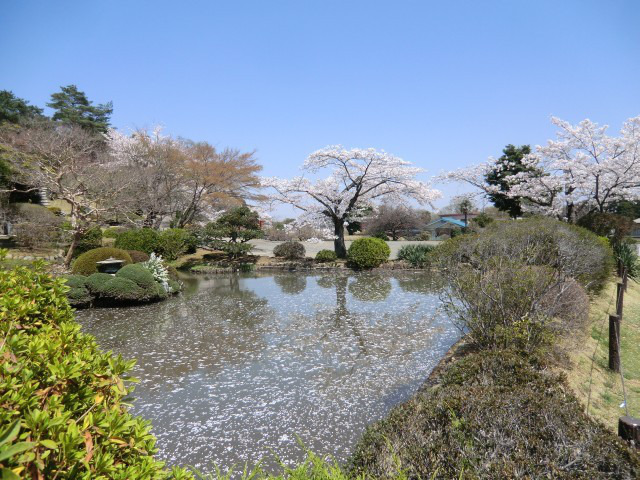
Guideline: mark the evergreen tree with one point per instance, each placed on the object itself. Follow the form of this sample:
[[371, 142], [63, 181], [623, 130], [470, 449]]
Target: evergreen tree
[[14, 109], [510, 163], [72, 106]]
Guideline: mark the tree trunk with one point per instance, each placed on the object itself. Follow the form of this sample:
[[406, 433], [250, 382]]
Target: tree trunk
[[338, 243], [72, 248]]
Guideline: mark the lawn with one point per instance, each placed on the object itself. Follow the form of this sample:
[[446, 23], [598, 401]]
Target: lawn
[[597, 387]]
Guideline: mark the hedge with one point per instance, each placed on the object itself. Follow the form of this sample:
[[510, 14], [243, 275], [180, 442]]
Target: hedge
[[85, 264], [144, 240], [493, 415], [62, 412], [368, 252]]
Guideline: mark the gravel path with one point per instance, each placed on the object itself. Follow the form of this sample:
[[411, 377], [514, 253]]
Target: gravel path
[[265, 247]]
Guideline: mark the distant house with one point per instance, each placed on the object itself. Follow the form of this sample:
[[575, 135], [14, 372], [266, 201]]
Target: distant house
[[635, 231], [444, 226]]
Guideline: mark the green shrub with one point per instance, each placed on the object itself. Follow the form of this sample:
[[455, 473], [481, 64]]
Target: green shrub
[[137, 256], [326, 256], [63, 413], [85, 264], [121, 289], [289, 250], [381, 236], [497, 416], [91, 239], [145, 240], [112, 232], [140, 275], [609, 225], [174, 242], [234, 249], [78, 294], [416, 255], [96, 281], [368, 252]]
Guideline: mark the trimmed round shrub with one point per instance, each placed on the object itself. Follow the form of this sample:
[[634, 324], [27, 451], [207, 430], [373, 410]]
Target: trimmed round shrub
[[78, 295], [96, 281], [85, 264], [289, 250], [124, 290], [368, 252], [326, 256], [140, 275], [144, 240], [138, 256], [174, 242], [91, 239]]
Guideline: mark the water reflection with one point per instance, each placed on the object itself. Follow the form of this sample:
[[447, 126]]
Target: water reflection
[[239, 364]]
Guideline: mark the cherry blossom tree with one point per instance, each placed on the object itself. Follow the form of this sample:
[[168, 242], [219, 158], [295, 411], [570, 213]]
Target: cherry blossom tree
[[357, 178], [584, 170]]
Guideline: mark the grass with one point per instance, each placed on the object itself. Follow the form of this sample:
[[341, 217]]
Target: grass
[[588, 373]]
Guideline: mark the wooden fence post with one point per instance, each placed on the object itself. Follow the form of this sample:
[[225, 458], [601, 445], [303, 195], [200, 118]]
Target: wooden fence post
[[614, 336], [619, 299]]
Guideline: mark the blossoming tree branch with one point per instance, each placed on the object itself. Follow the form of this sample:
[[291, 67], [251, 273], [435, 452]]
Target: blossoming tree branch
[[584, 170], [357, 178]]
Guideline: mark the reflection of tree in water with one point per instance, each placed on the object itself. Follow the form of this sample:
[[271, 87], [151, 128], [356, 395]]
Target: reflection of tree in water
[[426, 283], [369, 288], [291, 283]]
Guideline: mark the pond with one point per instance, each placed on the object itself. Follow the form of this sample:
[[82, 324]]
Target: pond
[[238, 366]]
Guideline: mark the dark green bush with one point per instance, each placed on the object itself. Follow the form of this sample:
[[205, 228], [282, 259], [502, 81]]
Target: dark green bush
[[91, 239], [96, 281], [368, 252], [174, 242], [141, 276], [121, 289], [62, 413], [137, 256], [494, 416], [78, 294], [85, 264], [609, 225], [326, 256], [416, 255], [145, 240], [290, 250], [381, 236]]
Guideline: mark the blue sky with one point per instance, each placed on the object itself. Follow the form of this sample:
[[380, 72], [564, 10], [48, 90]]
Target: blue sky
[[441, 84]]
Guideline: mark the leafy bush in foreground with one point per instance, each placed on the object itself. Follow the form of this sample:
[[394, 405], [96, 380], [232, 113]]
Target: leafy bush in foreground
[[290, 250], [326, 256], [496, 415], [368, 252], [62, 412], [85, 264], [415, 255]]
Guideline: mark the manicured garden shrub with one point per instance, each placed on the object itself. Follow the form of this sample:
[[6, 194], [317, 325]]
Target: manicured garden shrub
[[62, 413], [368, 252], [174, 242], [78, 294], [326, 256], [415, 255], [85, 264], [140, 275], [495, 415], [290, 250], [96, 281], [120, 289], [138, 256], [145, 240], [91, 239]]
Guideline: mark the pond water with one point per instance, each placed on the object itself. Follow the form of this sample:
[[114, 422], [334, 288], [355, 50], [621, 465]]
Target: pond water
[[237, 366]]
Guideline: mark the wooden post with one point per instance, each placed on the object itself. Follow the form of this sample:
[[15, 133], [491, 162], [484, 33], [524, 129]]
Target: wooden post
[[619, 299], [629, 430], [614, 336]]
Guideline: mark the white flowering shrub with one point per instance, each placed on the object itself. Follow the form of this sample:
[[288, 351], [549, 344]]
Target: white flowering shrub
[[156, 266]]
